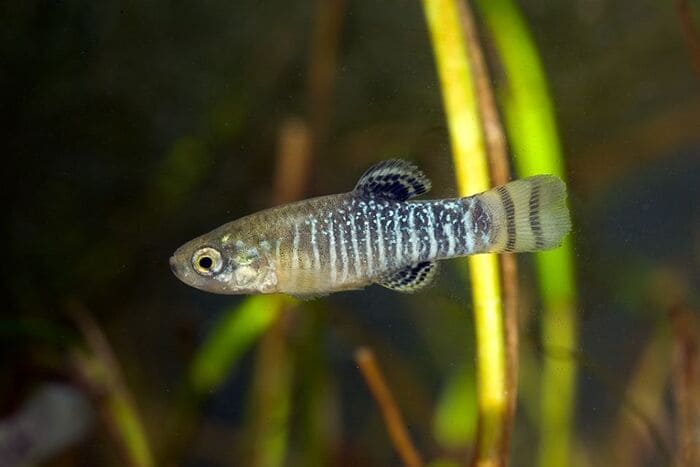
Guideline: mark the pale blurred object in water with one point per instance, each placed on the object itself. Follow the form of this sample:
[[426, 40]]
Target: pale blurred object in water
[[55, 417]]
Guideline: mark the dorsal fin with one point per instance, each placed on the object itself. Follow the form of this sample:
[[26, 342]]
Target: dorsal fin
[[410, 279], [394, 179]]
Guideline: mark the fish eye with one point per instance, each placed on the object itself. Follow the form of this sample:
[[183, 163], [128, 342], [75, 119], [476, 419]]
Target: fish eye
[[207, 261]]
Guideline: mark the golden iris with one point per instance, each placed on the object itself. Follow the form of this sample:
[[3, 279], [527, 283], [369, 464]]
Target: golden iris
[[207, 261]]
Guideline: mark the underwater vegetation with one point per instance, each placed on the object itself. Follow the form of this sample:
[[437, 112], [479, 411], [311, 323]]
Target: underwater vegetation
[[131, 129]]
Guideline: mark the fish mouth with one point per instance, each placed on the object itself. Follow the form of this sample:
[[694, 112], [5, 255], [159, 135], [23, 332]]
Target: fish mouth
[[173, 266]]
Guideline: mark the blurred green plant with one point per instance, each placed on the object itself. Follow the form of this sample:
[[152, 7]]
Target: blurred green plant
[[100, 371], [532, 130], [458, 397], [127, 422], [270, 395], [443, 463], [181, 171], [315, 390], [40, 330], [237, 330], [471, 169]]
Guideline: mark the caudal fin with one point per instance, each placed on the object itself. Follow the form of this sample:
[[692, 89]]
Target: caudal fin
[[528, 214]]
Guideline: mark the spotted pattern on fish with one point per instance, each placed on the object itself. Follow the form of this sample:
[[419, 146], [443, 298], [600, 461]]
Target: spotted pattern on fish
[[376, 233], [357, 234]]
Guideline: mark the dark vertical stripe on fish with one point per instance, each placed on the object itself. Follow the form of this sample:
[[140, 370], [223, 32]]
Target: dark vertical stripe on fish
[[510, 217], [534, 206]]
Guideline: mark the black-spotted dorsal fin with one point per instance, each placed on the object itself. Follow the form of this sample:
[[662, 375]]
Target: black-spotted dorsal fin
[[410, 279], [394, 179]]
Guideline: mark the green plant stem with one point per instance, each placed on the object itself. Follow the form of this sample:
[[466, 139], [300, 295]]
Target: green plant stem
[[471, 168], [271, 396], [101, 372], [532, 129]]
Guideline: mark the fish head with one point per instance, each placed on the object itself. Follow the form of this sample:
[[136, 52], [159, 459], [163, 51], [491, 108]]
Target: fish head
[[226, 262]]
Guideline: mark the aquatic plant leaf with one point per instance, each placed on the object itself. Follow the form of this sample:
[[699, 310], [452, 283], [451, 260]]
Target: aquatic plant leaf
[[455, 418], [232, 336], [532, 130], [471, 170]]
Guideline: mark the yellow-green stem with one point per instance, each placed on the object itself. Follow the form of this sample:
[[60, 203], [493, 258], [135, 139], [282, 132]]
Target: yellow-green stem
[[535, 142], [471, 167], [128, 425]]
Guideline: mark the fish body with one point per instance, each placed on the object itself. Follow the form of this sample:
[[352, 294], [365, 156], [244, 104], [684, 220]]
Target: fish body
[[373, 234]]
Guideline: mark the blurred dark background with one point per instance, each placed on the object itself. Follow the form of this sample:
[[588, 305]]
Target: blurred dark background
[[128, 128]]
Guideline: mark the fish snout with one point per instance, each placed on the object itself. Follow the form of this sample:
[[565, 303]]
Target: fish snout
[[173, 265]]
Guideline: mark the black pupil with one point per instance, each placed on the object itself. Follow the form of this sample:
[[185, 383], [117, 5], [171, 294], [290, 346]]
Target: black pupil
[[205, 262]]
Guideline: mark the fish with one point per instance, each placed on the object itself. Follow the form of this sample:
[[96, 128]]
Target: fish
[[378, 233]]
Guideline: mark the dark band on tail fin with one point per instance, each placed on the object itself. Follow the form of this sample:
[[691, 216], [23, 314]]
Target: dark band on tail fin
[[528, 214], [509, 207], [535, 225]]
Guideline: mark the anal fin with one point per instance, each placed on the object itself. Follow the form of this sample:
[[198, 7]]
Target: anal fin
[[410, 279]]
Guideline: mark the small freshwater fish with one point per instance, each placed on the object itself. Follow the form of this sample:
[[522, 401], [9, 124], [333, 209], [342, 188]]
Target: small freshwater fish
[[374, 234]]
